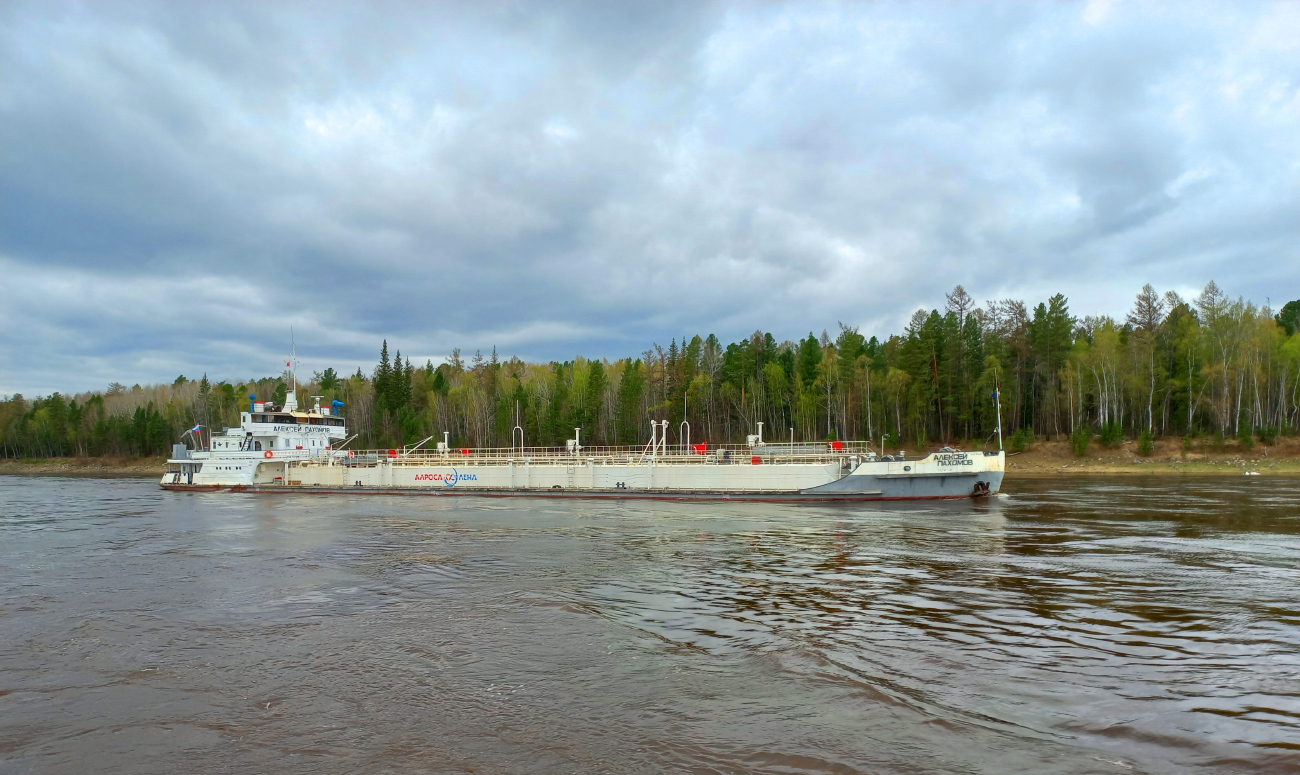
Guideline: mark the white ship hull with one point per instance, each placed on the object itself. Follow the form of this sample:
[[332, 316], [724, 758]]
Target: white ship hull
[[277, 449], [756, 477]]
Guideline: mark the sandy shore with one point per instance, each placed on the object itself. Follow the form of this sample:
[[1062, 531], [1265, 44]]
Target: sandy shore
[[85, 466], [1056, 458]]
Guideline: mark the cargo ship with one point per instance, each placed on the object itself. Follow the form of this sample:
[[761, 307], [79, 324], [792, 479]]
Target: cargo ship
[[281, 449]]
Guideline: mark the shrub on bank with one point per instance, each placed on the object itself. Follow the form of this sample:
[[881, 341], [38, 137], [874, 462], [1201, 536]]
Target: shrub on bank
[[1079, 440], [1021, 440], [1111, 435], [1245, 437], [1146, 443]]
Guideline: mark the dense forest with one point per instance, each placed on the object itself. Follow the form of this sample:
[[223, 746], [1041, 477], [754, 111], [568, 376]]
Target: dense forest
[[1212, 367]]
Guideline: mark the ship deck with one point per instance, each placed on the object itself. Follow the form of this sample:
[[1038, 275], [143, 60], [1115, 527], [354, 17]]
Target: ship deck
[[802, 453]]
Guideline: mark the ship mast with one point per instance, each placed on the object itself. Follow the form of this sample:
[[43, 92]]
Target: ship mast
[[291, 401], [997, 402]]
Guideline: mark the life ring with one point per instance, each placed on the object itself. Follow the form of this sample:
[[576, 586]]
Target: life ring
[[351, 453], [268, 454]]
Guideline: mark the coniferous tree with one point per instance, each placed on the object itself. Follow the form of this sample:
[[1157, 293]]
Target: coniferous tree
[[383, 374]]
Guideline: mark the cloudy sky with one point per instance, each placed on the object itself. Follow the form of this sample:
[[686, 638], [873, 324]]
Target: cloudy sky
[[182, 183]]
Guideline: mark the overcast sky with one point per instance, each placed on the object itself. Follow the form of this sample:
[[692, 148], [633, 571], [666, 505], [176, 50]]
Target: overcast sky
[[182, 183]]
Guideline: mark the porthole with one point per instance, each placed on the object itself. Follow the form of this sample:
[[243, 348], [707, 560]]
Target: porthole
[[907, 468]]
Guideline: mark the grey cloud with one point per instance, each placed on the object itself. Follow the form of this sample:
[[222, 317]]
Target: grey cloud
[[180, 184]]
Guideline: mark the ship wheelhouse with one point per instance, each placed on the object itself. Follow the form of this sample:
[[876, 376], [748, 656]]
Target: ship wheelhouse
[[276, 429]]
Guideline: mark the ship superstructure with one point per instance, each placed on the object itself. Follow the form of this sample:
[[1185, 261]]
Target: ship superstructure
[[268, 439]]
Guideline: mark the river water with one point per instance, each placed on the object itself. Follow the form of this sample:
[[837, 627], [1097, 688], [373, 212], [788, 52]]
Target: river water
[[1071, 626]]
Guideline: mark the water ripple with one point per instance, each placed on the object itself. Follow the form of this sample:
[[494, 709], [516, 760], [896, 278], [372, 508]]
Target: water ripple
[[1072, 627]]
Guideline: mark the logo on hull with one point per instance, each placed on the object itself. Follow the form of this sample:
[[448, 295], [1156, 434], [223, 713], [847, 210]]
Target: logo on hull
[[449, 480]]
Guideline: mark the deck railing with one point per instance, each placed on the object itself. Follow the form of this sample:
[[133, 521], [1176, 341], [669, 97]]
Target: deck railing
[[813, 452]]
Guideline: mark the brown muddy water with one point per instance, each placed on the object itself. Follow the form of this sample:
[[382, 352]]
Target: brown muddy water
[[1072, 626]]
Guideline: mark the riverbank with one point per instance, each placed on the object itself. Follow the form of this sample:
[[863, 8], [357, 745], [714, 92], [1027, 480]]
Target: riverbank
[[84, 466], [1054, 458]]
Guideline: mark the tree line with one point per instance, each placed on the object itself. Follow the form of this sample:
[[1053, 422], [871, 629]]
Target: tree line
[[1211, 366]]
